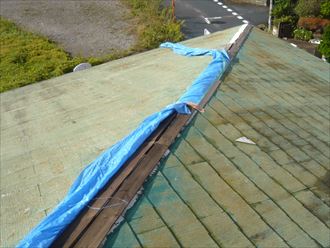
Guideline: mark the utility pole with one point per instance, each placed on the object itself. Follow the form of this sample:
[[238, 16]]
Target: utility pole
[[173, 9], [270, 15]]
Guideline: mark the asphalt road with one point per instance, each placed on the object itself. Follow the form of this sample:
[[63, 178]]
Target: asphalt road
[[198, 14]]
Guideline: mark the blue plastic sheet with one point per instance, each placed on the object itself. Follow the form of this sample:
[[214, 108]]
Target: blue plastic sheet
[[96, 175]]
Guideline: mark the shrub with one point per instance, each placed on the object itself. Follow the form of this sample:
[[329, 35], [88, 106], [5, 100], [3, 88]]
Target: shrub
[[308, 8], [303, 34], [157, 24], [324, 47], [283, 11], [289, 19], [26, 58], [313, 23], [325, 9], [282, 8]]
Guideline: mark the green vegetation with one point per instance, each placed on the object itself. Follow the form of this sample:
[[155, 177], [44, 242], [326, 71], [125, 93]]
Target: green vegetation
[[156, 24], [303, 34], [290, 19], [26, 58], [324, 47], [282, 8], [293, 9], [325, 9], [283, 11], [303, 16], [307, 8]]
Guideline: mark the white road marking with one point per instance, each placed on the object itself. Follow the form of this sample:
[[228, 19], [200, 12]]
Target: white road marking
[[229, 10], [214, 18], [207, 20], [294, 45], [215, 1], [206, 32]]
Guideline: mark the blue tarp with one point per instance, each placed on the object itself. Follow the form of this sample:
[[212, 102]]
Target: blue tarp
[[95, 176]]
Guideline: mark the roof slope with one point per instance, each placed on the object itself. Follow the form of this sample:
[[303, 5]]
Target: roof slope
[[213, 191], [51, 130]]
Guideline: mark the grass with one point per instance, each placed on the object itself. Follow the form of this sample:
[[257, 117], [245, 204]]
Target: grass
[[27, 58], [156, 23]]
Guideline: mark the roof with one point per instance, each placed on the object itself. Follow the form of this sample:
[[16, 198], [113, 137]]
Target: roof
[[51, 130], [213, 191]]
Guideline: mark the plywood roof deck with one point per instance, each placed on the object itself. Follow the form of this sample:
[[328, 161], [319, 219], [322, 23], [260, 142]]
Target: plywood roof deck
[[53, 129], [212, 191]]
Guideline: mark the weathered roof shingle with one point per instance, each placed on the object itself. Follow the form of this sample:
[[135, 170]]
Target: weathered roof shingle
[[213, 191]]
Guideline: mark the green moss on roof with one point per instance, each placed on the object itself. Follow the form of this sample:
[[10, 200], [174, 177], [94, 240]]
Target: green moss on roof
[[213, 191], [51, 130]]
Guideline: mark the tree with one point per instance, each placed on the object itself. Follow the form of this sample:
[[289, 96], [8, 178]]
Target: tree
[[306, 8], [282, 8], [325, 9]]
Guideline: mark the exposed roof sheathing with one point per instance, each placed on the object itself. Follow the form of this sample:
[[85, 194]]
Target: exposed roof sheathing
[[213, 191], [51, 130]]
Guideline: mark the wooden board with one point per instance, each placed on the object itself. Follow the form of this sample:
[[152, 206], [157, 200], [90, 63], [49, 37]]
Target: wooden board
[[70, 236], [96, 233]]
